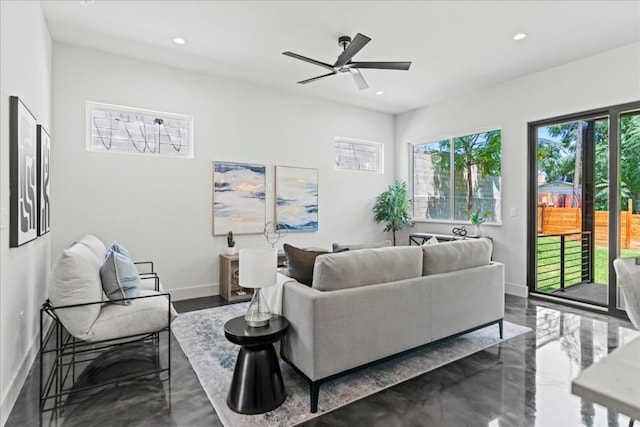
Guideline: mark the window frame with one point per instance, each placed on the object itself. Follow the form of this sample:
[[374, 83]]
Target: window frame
[[91, 106], [378, 145], [451, 137]]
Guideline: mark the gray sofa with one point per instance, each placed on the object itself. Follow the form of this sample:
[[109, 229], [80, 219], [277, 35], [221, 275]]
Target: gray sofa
[[371, 304]]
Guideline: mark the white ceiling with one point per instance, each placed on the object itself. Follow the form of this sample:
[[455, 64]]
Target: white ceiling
[[455, 46]]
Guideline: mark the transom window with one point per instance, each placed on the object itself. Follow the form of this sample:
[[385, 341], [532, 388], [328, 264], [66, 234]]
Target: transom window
[[456, 175], [116, 129], [355, 155]]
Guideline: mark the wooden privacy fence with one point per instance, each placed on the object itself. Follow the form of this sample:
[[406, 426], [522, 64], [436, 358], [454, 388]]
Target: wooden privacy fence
[[553, 220]]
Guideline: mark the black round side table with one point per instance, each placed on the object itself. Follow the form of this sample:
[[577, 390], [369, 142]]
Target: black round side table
[[257, 384]]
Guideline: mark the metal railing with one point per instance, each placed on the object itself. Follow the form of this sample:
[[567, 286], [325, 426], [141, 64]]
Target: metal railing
[[564, 260]]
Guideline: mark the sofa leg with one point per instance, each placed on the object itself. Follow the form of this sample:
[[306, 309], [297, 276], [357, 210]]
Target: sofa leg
[[500, 327], [314, 388]]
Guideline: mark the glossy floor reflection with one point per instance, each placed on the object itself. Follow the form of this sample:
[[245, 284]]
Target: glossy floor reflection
[[524, 381]]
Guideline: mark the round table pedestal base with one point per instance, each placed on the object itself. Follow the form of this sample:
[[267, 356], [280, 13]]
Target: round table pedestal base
[[257, 384]]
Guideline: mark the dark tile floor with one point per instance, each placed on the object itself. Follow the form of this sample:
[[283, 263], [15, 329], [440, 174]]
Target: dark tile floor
[[524, 381]]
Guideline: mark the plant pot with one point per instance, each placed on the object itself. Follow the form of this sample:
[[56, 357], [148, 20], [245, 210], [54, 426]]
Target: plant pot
[[477, 231], [231, 250]]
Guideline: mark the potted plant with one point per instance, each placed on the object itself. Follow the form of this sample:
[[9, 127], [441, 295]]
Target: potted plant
[[393, 207], [231, 244], [477, 218]]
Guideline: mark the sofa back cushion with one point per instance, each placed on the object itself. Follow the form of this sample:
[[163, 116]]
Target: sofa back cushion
[[457, 255], [75, 279], [96, 246], [363, 267]]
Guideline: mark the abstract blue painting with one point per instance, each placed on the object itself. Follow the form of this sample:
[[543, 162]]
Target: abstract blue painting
[[296, 198], [238, 198]]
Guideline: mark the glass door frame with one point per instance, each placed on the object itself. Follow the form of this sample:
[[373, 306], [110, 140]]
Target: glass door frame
[[613, 113]]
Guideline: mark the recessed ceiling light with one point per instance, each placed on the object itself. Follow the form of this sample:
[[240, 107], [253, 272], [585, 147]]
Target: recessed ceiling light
[[519, 36], [379, 92], [88, 2], [179, 40]]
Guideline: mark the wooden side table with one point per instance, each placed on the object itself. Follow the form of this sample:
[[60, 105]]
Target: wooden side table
[[230, 290], [257, 384]]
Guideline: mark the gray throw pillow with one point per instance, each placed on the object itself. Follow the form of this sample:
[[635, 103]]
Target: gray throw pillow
[[120, 278], [300, 263], [339, 248]]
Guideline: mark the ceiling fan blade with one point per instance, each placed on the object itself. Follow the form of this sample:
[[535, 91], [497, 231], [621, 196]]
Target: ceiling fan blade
[[313, 79], [380, 65], [358, 78], [354, 47], [309, 60]]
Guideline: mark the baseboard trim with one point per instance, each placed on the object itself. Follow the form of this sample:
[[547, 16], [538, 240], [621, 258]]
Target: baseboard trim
[[17, 383], [194, 292], [517, 290]]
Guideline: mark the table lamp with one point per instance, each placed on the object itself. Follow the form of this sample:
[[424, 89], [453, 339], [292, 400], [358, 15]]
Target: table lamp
[[258, 270]]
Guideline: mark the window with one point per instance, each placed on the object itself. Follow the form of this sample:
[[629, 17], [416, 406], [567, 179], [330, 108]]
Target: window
[[354, 155], [455, 175], [115, 129]]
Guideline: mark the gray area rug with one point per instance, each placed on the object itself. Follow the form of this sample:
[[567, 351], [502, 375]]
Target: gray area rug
[[201, 336]]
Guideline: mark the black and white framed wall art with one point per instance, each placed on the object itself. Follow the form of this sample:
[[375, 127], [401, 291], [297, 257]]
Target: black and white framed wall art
[[23, 174], [44, 181]]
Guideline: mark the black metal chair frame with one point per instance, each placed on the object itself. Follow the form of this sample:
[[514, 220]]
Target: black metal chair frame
[[58, 380]]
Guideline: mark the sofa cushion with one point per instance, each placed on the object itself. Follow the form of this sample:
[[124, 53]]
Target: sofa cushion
[[120, 278], [96, 246], [339, 248], [366, 267], [75, 279], [300, 263], [456, 255], [142, 316]]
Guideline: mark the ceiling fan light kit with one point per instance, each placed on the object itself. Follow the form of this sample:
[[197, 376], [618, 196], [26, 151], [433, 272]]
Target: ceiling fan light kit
[[344, 64]]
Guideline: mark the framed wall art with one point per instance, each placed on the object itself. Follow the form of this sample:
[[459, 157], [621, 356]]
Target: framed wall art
[[296, 198], [44, 182], [22, 174], [238, 198]]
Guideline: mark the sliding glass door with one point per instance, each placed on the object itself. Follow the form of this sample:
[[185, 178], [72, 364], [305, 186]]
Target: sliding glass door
[[584, 203]]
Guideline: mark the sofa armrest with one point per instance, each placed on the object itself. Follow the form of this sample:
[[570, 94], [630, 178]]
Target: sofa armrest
[[150, 281], [148, 267]]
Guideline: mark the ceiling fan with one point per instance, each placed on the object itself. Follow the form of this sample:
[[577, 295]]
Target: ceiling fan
[[344, 64]]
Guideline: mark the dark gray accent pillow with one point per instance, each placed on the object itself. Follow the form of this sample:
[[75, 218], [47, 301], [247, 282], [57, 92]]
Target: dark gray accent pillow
[[300, 263]]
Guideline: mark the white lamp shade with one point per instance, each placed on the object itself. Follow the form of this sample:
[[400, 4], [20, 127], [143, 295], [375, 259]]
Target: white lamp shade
[[258, 267]]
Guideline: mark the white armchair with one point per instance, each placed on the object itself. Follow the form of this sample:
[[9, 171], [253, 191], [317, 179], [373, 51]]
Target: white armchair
[[79, 321], [629, 275]]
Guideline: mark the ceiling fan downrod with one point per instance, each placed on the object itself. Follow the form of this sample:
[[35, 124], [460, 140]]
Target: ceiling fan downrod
[[344, 42]]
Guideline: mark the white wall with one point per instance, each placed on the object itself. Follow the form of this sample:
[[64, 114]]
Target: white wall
[[25, 71], [602, 80], [160, 208]]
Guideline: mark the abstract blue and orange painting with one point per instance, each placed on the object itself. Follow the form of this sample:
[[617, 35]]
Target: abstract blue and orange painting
[[238, 198], [296, 198]]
